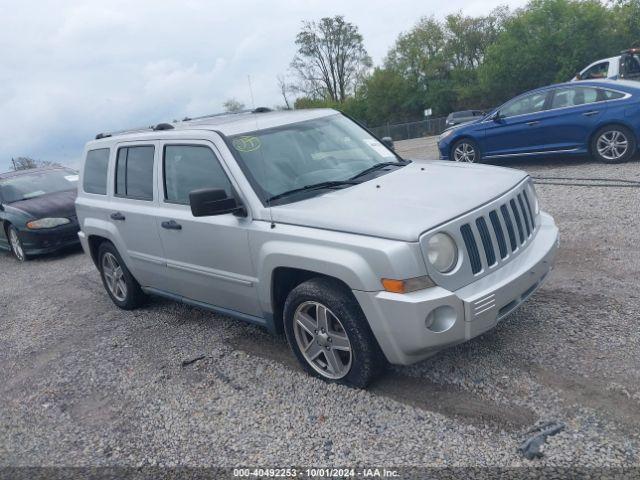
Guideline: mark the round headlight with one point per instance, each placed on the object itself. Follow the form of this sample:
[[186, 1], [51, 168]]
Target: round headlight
[[442, 252]]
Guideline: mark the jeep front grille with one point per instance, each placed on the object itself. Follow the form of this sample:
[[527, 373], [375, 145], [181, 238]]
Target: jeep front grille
[[486, 236]]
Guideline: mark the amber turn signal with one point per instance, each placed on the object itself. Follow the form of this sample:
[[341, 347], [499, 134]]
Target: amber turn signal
[[406, 286]]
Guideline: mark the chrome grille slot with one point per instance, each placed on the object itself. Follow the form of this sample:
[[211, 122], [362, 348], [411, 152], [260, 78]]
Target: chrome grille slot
[[531, 216], [497, 230], [516, 215], [489, 252], [524, 215], [472, 248], [510, 231]]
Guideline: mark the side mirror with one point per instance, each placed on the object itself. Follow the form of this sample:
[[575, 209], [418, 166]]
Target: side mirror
[[207, 202], [388, 141], [578, 76], [496, 117]]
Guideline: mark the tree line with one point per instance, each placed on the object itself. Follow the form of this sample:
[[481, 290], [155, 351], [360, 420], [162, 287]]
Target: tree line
[[458, 63]]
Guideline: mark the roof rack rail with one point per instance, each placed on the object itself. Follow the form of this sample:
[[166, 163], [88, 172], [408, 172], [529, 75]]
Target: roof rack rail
[[169, 126]]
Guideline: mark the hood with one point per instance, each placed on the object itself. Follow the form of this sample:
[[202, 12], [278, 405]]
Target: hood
[[403, 204], [59, 204]]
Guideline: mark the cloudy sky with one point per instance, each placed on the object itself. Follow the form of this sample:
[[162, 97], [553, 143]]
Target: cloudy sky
[[70, 69]]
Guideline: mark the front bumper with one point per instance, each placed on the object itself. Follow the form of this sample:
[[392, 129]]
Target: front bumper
[[37, 242], [399, 322]]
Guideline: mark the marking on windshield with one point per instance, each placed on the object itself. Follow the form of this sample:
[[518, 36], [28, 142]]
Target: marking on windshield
[[246, 143]]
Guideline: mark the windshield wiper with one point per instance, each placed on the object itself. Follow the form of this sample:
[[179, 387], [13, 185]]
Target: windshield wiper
[[313, 186], [375, 167]]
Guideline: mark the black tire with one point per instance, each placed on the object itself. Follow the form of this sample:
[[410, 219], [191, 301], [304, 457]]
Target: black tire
[[133, 296], [366, 358], [15, 243], [472, 151], [610, 157]]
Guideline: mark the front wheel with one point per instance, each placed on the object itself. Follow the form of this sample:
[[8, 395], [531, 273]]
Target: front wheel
[[465, 151], [613, 144], [329, 334], [123, 289], [16, 244]]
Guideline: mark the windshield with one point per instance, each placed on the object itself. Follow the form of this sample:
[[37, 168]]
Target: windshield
[[328, 149], [30, 185]]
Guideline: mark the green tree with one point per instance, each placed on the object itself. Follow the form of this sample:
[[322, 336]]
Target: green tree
[[331, 60], [546, 42]]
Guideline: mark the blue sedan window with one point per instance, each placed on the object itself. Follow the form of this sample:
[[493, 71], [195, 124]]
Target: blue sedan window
[[524, 105], [574, 96]]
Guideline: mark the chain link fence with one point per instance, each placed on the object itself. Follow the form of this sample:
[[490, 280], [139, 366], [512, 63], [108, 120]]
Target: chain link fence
[[405, 131]]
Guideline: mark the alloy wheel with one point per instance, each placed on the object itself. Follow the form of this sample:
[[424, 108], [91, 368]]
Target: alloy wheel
[[612, 144], [114, 276], [464, 152], [15, 244], [322, 339]]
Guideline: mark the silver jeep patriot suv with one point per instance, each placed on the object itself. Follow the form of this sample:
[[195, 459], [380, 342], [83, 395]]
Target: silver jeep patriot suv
[[303, 222]]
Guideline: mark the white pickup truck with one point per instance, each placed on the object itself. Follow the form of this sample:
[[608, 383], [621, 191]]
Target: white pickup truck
[[624, 66]]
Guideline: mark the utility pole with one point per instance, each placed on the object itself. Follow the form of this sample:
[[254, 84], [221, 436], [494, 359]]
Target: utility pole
[[14, 163]]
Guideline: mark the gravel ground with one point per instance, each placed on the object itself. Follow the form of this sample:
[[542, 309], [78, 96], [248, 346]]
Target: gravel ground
[[83, 383]]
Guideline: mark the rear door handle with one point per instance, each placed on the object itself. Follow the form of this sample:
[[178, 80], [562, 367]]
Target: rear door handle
[[117, 216], [591, 113], [532, 123], [171, 225]]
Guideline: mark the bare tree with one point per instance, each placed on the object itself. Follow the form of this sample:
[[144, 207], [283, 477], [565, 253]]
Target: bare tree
[[331, 60], [232, 105], [285, 88], [26, 163]]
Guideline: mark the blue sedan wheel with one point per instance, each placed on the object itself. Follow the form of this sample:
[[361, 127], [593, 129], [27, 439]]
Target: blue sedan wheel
[[613, 144], [465, 151]]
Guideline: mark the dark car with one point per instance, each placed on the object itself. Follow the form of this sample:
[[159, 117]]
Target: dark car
[[37, 211], [596, 117], [464, 116]]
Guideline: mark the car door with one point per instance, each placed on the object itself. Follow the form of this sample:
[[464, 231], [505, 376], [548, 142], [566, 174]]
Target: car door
[[573, 113], [208, 258], [132, 211], [517, 128]]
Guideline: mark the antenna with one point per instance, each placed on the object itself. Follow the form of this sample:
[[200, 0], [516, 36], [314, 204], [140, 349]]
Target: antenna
[[253, 103]]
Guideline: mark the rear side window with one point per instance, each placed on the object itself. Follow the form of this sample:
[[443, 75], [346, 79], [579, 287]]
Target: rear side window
[[574, 96], [134, 172], [612, 95], [191, 167], [95, 171]]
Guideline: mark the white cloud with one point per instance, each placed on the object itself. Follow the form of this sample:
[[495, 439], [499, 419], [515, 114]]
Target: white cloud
[[69, 69]]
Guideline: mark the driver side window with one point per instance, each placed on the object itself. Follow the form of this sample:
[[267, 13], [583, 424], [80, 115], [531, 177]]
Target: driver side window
[[599, 70], [191, 167], [522, 106]]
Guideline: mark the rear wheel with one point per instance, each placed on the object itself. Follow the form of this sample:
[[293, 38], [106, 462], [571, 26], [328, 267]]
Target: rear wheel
[[613, 144], [465, 151], [16, 244], [329, 334], [123, 289]]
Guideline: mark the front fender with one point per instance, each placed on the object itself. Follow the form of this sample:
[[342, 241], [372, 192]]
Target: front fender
[[347, 266]]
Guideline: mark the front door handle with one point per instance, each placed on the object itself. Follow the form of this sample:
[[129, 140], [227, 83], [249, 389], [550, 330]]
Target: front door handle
[[171, 225], [591, 113], [532, 123], [117, 216]]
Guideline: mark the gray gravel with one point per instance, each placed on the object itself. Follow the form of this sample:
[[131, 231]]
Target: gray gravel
[[83, 383]]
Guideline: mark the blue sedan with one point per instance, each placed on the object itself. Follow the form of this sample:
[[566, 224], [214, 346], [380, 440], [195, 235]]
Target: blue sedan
[[600, 118]]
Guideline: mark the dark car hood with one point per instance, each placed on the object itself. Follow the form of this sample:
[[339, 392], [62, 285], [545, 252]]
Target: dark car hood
[[60, 204]]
